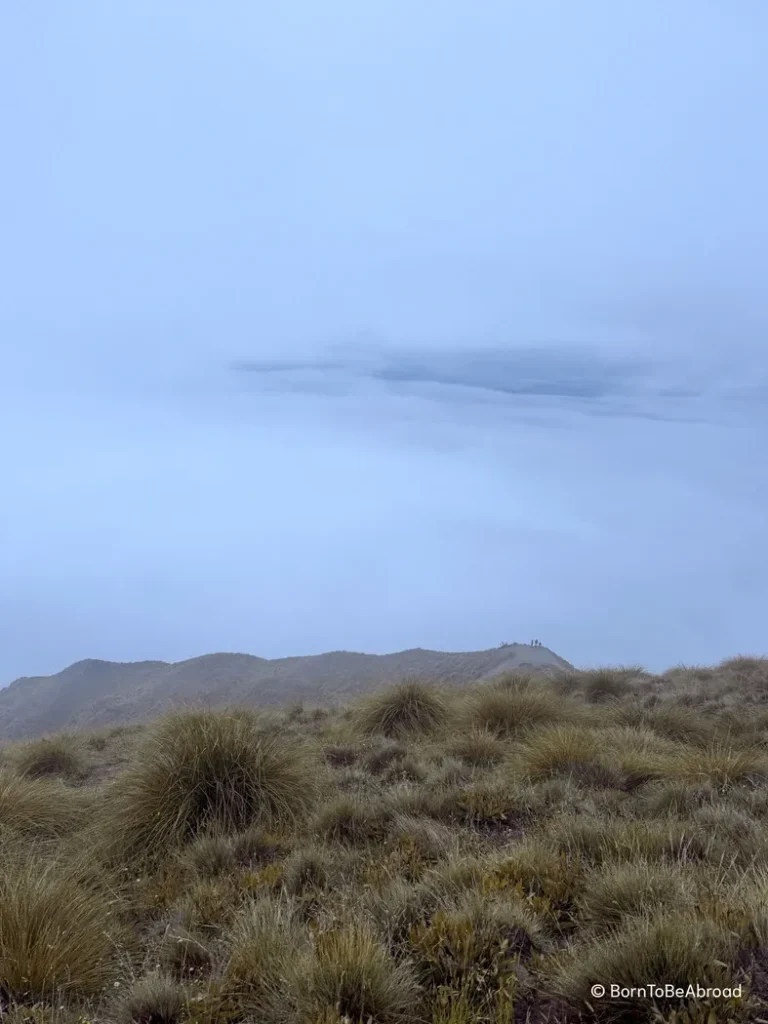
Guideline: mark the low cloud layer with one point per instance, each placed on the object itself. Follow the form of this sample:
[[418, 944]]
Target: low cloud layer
[[527, 371], [377, 326], [596, 382]]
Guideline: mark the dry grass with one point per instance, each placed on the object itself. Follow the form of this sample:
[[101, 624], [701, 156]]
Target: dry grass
[[665, 949], [183, 955], [310, 870], [205, 771], [505, 707], [473, 950], [58, 937], [617, 892], [560, 750], [152, 999], [600, 685], [720, 764], [422, 857], [41, 808], [265, 945], [410, 707], [55, 755], [350, 975], [479, 747], [353, 820], [534, 867]]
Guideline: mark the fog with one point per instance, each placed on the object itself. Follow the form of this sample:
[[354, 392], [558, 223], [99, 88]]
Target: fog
[[377, 326]]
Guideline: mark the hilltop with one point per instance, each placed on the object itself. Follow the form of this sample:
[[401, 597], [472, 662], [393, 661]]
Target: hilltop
[[490, 853], [94, 693]]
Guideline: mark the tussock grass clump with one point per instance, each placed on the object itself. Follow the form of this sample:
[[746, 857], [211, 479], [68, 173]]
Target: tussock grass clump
[[210, 855], [40, 808], [731, 835], [207, 771], [352, 820], [480, 747], [637, 888], [352, 780], [153, 999], [690, 674], [442, 802], [58, 937], [636, 752], [670, 949], [681, 724], [184, 955], [535, 867], [449, 771], [749, 900], [409, 769], [60, 755], [311, 869], [670, 720], [565, 681], [676, 798], [505, 710], [410, 707], [474, 948], [492, 804], [603, 684], [552, 796], [747, 798], [39, 1013], [559, 750], [455, 877], [340, 755], [746, 666], [514, 679], [265, 945], [256, 845], [210, 905], [121, 731], [633, 737], [458, 1007], [422, 840], [720, 764], [597, 840], [383, 756], [351, 976], [395, 905], [214, 853]]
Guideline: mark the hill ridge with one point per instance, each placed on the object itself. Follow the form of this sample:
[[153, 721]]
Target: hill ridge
[[95, 692]]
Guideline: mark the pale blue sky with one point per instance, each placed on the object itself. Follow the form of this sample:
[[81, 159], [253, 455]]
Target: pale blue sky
[[382, 325]]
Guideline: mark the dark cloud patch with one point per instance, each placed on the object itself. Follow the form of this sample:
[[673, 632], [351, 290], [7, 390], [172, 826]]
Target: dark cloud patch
[[287, 366], [544, 371], [554, 372]]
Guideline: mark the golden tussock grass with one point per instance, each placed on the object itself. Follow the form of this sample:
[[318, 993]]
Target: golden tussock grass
[[425, 856]]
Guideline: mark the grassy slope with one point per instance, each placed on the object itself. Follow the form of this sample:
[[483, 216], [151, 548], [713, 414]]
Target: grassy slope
[[446, 857]]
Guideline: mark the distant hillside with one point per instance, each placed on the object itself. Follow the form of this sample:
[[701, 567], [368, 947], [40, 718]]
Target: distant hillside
[[95, 693]]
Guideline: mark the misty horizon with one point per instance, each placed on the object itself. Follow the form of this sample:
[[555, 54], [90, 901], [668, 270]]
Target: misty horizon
[[378, 328]]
